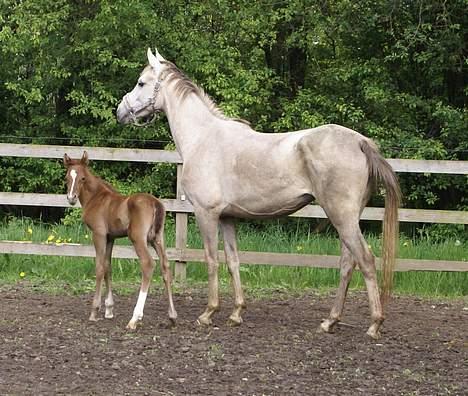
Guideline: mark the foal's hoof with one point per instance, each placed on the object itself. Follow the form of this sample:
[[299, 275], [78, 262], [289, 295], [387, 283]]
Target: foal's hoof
[[93, 318], [234, 321], [172, 321], [109, 314]]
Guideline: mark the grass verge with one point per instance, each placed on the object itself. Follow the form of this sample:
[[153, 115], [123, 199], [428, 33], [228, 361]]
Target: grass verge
[[77, 274]]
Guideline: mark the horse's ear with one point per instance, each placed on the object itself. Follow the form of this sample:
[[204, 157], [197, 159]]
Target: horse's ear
[[84, 158], [66, 159], [159, 56], [153, 61]]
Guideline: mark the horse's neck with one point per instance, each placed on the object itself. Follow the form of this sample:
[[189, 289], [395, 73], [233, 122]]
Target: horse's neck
[[190, 120], [93, 186]]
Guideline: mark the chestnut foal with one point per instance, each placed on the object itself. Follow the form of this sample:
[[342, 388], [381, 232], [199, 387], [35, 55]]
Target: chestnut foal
[[111, 215]]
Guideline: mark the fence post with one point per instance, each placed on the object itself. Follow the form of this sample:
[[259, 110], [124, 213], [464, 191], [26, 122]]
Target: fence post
[[181, 223]]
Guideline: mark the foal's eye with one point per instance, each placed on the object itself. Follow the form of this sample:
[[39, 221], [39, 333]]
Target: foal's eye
[[140, 84]]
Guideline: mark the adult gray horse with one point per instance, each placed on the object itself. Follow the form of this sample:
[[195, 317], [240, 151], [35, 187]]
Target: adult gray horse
[[231, 171]]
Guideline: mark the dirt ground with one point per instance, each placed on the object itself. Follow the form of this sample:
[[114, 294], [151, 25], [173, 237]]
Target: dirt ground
[[49, 347]]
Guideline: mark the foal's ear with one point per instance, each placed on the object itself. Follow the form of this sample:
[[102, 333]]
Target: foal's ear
[[84, 159], [66, 160]]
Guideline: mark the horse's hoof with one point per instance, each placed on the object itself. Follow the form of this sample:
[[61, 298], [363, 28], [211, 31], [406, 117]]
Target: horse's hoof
[[234, 321], [132, 325], [325, 327], [373, 334], [109, 316], [202, 321], [93, 318]]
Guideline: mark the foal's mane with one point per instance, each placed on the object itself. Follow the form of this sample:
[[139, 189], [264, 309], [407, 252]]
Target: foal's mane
[[184, 86]]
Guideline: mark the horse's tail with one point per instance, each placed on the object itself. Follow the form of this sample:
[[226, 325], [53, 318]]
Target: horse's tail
[[380, 170]]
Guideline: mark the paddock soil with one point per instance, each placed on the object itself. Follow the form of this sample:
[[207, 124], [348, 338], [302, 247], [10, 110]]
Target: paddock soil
[[47, 347]]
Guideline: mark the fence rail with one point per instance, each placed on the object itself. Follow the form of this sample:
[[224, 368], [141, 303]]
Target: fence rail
[[310, 211], [182, 208]]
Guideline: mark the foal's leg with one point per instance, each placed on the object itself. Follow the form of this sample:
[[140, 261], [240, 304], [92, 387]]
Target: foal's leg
[[232, 260], [100, 242], [159, 246], [208, 225], [147, 266], [109, 301], [347, 265]]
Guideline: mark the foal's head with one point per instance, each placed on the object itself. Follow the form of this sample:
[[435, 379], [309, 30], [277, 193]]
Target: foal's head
[[77, 171]]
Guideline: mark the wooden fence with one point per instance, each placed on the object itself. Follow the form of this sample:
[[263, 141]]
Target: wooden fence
[[180, 253]]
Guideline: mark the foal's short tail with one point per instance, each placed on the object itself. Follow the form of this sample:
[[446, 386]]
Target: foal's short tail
[[158, 219], [380, 170]]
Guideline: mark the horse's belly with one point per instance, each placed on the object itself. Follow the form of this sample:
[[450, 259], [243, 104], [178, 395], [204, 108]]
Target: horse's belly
[[266, 209]]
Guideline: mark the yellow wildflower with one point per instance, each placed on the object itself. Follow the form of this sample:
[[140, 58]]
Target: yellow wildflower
[[22, 274], [29, 231]]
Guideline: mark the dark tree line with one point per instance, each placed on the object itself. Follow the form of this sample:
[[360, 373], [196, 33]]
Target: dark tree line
[[393, 70]]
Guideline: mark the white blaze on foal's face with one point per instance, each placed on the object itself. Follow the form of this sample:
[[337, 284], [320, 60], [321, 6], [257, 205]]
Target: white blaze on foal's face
[[72, 196]]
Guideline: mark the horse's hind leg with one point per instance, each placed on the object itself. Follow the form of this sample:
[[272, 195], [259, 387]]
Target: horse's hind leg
[[159, 246], [232, 260], [352, 237], [347, 265], [138, 238]]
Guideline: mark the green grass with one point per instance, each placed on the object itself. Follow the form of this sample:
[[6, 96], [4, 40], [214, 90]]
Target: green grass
[[78, 273]]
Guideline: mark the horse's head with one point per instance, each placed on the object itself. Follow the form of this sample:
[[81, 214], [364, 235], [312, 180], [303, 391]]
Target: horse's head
[[77, 170], [144, 101]]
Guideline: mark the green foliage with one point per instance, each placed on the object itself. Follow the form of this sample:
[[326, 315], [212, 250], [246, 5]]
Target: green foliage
[[394, 71]]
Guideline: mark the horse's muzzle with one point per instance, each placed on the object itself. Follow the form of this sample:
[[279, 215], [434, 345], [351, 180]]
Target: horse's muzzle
[[123, 115]]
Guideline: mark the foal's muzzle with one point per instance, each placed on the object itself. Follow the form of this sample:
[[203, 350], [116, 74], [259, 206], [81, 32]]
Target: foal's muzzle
[[72, 200]]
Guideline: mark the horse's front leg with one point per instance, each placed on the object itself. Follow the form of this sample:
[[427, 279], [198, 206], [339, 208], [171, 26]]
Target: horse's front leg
[[208, 225], [109, 301], [232, 260], [100, 242]]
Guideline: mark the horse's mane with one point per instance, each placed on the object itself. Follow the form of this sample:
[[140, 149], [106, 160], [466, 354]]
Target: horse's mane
[[184, 86]]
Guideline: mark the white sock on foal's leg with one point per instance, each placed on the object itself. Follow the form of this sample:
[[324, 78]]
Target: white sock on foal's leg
[[109, 307], [138, 311]]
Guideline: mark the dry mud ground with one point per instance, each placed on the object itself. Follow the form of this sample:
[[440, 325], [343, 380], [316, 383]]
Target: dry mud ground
[[47, 346]]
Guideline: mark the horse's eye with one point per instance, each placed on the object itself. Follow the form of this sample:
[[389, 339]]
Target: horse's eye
[[140, 84], [83, 178]]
